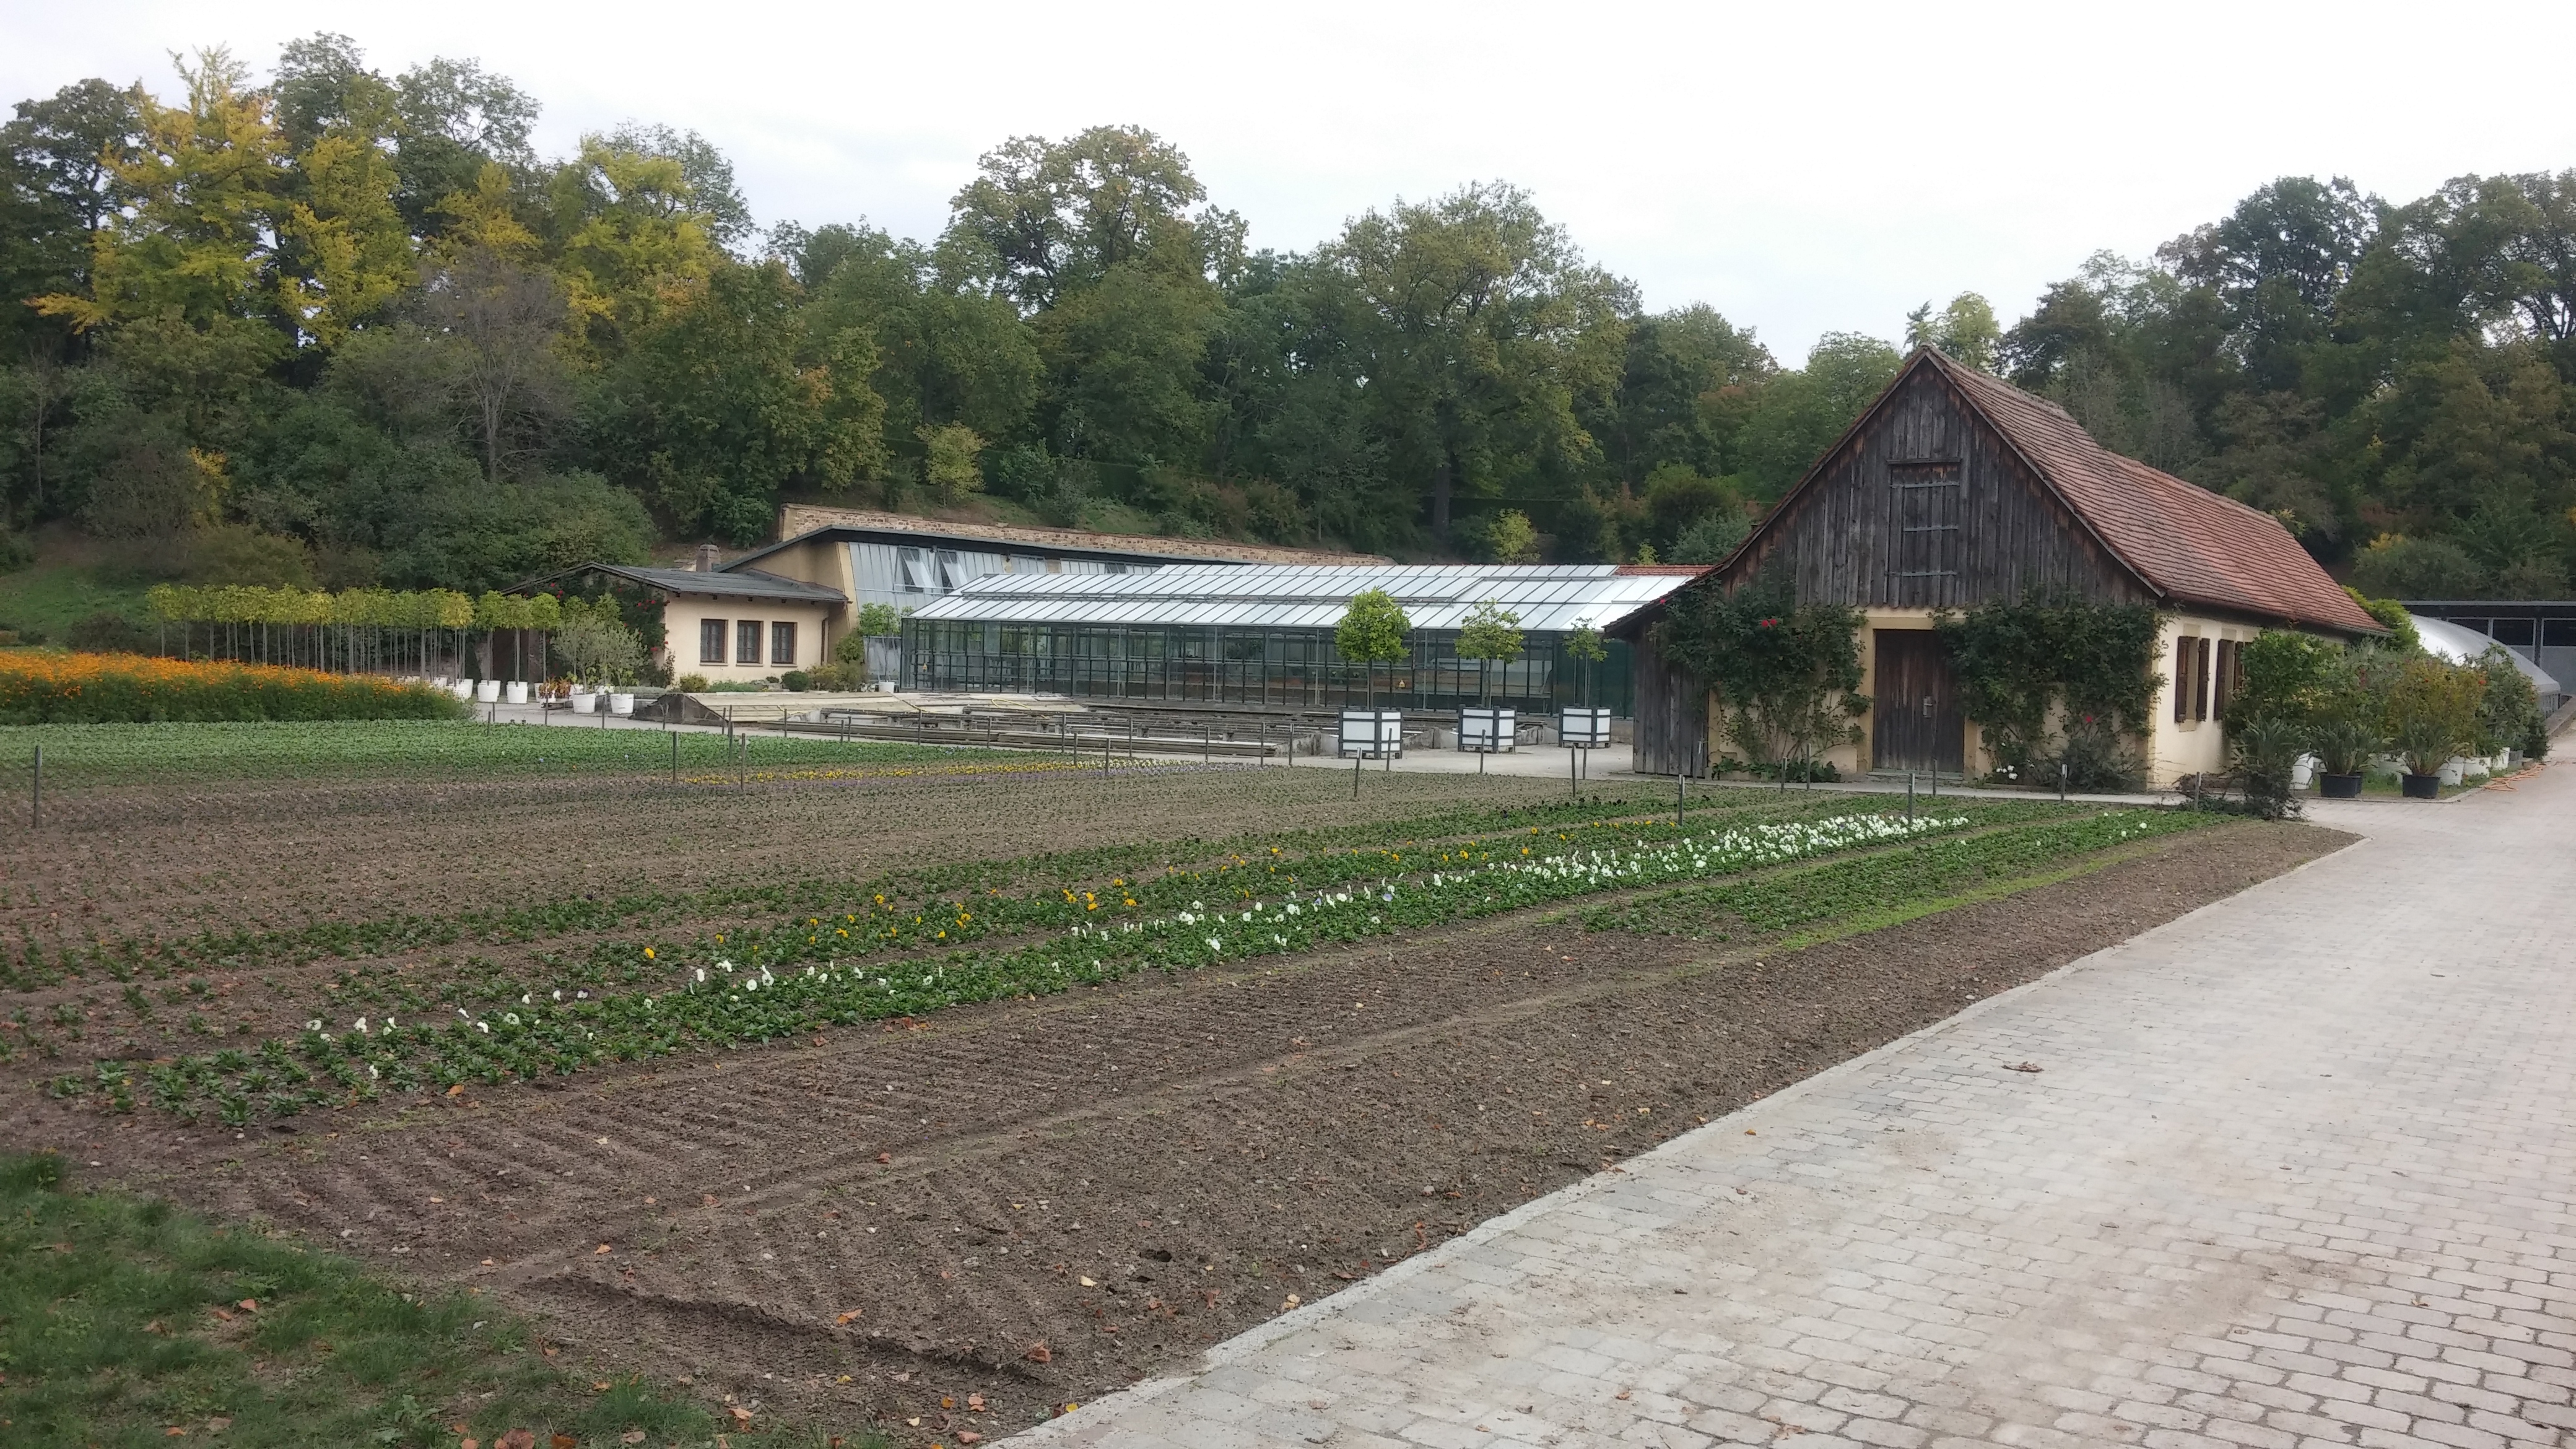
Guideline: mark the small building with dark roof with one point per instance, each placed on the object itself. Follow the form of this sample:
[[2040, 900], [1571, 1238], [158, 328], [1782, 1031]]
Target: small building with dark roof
[[1954, 488], [737, 624]]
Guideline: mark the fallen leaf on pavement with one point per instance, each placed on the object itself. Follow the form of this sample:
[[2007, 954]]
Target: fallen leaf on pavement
[[1038, 1353], [2023, 1067], [846, 1317]]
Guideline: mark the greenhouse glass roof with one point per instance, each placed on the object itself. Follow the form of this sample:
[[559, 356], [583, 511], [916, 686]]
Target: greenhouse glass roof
[[1549, 598]]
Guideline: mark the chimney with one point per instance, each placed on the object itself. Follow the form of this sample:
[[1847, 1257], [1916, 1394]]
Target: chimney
[[707, 558]]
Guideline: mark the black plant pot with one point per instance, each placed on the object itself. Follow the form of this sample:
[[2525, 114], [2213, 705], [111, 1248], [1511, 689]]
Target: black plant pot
[[2422, 787], [2340, 787]]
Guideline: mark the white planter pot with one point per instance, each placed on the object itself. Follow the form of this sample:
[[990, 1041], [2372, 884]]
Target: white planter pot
[[621, 704], [488, 691], [580, 701], [2455, 771], [516, 692], [2303, 771], [461, 688], [1487, 730]]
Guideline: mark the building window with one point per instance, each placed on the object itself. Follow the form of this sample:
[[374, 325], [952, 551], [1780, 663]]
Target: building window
[[782, 643], [2200, 679], [950, 575], [2231, 659], [711, 640], [916, 579], [2186, 660], [746, 642]]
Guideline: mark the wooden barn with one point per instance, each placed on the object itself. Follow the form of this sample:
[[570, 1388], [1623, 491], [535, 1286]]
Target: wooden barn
[[1954, 488]]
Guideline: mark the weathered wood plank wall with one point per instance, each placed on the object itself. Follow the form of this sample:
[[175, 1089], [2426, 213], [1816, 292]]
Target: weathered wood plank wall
[[1845, 540], [1671, 732]]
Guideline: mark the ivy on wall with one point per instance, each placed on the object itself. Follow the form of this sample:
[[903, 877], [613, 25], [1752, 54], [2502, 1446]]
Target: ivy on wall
[[2015, 658], [1787, 674]]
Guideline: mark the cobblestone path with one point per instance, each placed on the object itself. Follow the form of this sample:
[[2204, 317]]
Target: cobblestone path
[[2294, 1170]]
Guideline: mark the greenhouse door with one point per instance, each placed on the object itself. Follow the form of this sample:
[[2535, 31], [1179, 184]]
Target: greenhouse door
[[1916, 709]]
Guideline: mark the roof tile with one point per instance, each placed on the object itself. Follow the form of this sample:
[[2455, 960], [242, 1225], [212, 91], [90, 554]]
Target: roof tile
[[2188, 543]]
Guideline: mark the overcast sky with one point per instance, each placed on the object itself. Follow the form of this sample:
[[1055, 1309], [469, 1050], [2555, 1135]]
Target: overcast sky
[[1802, 168]]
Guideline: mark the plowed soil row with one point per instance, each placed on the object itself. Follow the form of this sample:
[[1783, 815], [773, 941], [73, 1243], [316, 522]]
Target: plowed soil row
[[1038, 1201], [277, 855]]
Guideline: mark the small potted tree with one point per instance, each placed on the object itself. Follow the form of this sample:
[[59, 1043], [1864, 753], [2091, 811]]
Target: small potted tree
[[1492, 635], [1374, 630], [2432, 713], [2344, 742]]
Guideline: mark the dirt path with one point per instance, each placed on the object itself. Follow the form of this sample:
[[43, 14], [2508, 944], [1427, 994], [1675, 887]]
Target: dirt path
[[1038, 1201]]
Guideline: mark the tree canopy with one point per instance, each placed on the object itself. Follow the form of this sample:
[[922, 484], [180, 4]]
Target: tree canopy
[[356, 314]]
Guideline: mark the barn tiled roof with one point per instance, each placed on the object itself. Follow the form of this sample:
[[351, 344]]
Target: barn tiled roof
[[2186, 542]]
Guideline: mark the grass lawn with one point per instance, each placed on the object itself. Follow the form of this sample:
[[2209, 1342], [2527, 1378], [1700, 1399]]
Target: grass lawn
[[43, 600], [106, 754], [124, 1322]]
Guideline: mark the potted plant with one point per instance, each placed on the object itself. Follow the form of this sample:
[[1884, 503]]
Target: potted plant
[[2344, 745], [2432, 714]]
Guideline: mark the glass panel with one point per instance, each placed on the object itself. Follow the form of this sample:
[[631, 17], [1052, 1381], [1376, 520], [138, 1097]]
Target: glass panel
[[2515, 633], [746, 642], [782, 643], [711, 641]]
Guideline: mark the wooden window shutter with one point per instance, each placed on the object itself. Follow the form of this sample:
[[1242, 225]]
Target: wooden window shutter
[[2185, 649]]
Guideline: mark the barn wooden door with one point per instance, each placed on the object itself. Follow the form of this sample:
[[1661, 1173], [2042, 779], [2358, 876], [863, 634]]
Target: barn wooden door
[[1916, 723]]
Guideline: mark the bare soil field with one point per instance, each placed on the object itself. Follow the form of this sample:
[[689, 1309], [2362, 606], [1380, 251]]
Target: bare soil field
[[153, 860], [959, 1222]]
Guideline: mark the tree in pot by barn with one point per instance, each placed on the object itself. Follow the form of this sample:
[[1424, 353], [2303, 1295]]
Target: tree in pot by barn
[[2433, 712], [2509, 715], [1492, 635], [1788, 674], [1372, 632], [2286, 690]]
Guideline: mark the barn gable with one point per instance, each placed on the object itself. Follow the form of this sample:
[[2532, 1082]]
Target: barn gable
[[1925, 504]]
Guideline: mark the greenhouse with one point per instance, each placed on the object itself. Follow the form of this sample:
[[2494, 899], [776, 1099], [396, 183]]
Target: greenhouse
[[1262, 636]]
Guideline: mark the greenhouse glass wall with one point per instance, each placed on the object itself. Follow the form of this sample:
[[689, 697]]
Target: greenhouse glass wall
[[1263, 636]]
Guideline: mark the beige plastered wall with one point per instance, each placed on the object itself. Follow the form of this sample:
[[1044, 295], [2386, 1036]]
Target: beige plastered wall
[[2192, 746], [817, 561], [682, 617]]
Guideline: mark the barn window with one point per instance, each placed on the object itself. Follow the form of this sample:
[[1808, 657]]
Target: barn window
[[2200, 678], [711, 641], [1927, 497]]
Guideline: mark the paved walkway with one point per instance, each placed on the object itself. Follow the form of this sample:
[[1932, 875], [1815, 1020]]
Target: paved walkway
[[2296, 1170]]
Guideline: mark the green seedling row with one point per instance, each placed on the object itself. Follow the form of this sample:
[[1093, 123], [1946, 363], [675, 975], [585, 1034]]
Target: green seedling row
[[733, 1002]]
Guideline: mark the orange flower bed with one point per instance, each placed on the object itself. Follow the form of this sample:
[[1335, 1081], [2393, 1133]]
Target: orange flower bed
[[54, 688]]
